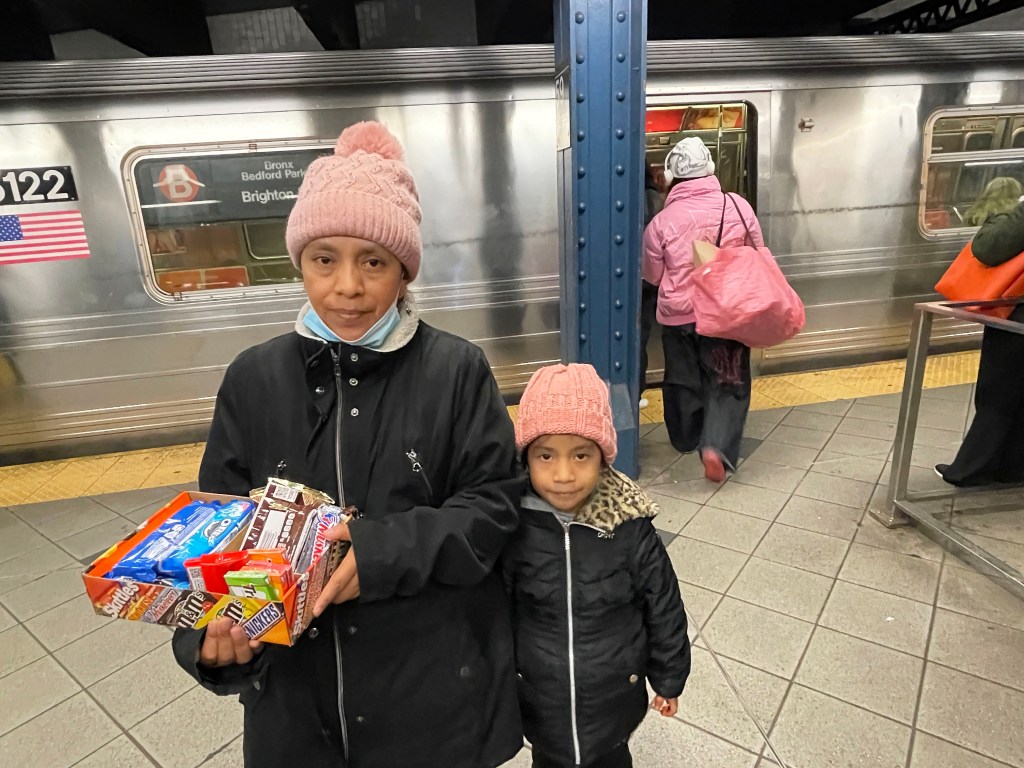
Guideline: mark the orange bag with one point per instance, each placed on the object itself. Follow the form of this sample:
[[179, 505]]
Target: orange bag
[[967, 279]]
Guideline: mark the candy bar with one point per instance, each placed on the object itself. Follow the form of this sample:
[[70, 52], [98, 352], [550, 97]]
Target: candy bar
[[207, 571], [219, 530], [251, 583]]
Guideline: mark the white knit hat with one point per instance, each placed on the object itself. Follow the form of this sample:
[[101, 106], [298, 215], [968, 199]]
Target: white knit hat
[[689, 159]]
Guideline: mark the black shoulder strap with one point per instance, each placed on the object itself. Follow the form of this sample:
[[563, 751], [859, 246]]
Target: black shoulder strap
[[721, 224], [743, 221]]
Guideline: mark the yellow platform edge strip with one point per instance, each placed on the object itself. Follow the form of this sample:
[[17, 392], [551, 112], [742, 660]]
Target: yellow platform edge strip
[[176, 465]]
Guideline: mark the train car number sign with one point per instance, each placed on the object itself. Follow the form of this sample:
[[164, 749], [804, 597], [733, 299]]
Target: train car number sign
[[34, 186]]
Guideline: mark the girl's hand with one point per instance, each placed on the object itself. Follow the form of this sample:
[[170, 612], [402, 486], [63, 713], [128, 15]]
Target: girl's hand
[[667, 707]]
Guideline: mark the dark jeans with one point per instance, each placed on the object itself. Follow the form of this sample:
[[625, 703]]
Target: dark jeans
[[648, 311], [993, 450], [706, 390], [617, 758]]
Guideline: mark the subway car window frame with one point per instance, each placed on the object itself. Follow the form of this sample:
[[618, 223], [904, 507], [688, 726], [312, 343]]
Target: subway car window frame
[[964, 150], [197, 223]]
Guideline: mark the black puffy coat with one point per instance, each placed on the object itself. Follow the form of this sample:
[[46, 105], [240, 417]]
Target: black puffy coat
[[596, 611], [421, 664]]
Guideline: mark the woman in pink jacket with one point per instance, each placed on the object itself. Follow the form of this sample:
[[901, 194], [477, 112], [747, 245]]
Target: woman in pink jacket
[[707, 380]]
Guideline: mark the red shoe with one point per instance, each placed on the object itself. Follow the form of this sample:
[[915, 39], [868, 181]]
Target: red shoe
[[714, 468]]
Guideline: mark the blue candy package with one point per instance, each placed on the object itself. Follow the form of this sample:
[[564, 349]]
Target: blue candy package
[[195, 529]]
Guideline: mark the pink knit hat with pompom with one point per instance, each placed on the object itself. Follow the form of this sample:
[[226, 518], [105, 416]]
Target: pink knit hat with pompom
[[567, 400], [363, 190]]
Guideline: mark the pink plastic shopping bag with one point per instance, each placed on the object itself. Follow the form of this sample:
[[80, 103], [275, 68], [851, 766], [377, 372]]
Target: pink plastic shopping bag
[[741, 294]]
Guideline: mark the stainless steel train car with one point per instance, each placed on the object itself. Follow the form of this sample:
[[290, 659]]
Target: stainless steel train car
[[143, 203]]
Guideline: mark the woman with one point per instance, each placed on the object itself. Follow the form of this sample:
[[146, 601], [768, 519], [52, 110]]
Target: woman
[[409, 661], [707, 380], [993, 450], [653, 203], [1001, 195]]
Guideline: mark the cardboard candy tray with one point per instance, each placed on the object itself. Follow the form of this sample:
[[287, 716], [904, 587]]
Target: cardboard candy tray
[[281, 622]]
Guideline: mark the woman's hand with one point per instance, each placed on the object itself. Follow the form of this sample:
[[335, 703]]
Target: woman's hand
[[344, 583], [226, 644]]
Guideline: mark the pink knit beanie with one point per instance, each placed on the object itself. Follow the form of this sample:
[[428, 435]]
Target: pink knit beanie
[[363, 190], [567, 400]]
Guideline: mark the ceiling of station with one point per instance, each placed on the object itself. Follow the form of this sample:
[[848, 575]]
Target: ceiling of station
[[198, 27]]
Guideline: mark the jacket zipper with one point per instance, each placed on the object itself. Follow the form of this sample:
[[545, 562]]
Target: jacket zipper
[[572, 654], [419, 469], [341, 504]]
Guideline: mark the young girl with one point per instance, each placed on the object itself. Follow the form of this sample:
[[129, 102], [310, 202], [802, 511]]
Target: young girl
[[596, 606]]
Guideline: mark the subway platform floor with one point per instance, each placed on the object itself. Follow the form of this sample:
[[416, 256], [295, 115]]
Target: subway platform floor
[[821, 639]]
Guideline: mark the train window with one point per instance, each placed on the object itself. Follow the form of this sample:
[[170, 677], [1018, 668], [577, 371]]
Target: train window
[[215, 220], [726, 128], [971, 159]]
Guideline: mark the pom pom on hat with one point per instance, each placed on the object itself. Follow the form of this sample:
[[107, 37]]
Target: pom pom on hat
[[567, 400], [369, 137], [363, 190]]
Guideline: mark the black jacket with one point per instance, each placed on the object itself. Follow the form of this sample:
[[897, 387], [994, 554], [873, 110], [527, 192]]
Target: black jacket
[[426, 676], [596, 611]]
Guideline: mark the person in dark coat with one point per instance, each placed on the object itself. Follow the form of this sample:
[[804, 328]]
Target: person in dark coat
[[408, 663], [993, 449], [654, 201], [595, 601]]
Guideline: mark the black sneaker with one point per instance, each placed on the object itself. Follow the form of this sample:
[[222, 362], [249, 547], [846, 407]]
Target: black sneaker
[[941, 470]]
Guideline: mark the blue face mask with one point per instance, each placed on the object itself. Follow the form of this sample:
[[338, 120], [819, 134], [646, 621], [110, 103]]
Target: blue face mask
[[372, 339]]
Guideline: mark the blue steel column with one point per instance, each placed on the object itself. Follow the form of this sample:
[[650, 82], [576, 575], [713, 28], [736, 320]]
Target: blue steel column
[[601, 64]]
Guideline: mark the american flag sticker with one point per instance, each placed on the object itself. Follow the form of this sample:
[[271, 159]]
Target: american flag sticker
[[45, 236]]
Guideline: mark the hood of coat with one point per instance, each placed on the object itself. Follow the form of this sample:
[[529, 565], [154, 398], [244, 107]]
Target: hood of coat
[[408, 323], [708, 185], [616, 500]]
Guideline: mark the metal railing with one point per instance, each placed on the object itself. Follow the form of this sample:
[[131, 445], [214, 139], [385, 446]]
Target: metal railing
[[905, 506]]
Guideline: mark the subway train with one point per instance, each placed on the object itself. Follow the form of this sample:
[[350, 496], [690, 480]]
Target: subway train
[[143, 203]]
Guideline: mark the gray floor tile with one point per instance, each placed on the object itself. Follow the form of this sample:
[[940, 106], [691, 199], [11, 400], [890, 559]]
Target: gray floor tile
[[675, 513], [665, 741], [66, 623], [100, 653], [697, 491], [861, 468], [978, 647], [726, 529], [942, 419], [658, 433], [33, 689], [891, 572], [210, 722], [765, 475], [975, 595], [98, 538], [748, 500], [666, 537], [781, 588], [142, 514], [816, 731], [830, 407], [821, 517], [888, 620], [982, 716], [82, 728], [47, 510], [700, 603], [855, 445], [802, 549], [906, 539], [6, 620], [710, 703], [32, 565], [862, 673], [759, 424], [82, 516], [874, 412], [120, 753], [231, 757], [757, 636], [930, 752], [685, 467], [794, 456], [879, 430], [806, 438], [926, 456], [1009, 552], [655, 458], [704, 564], [17, 649], [747, 446], [839, 490], [129, 501], [131, 703], [808, 420], [937, 438], [890, 400], [17, 539], [995, 523], [43, 594], [957, 393]]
